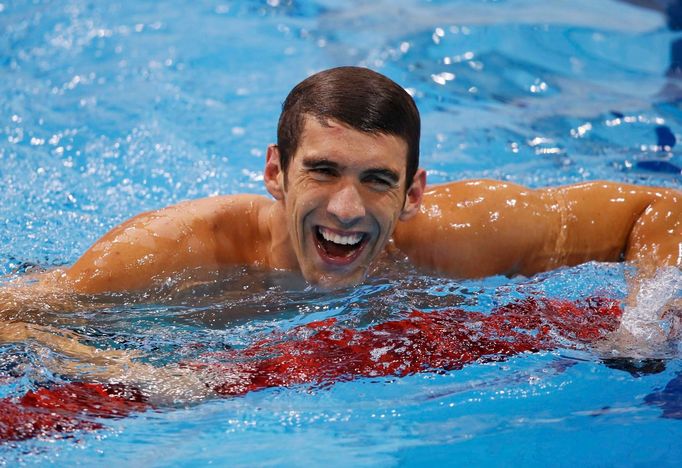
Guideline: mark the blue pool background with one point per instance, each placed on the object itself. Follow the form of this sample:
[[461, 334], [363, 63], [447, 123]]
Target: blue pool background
[[112, 108]]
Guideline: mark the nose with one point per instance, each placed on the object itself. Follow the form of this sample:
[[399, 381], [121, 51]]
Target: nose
[[346, 205]]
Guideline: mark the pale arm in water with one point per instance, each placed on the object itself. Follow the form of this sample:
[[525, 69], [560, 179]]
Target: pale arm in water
[[63, 353]]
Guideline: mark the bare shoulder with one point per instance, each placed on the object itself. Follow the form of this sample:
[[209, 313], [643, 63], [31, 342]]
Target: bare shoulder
[[203, 234], [475, 191], [482, 227], [605, 189], [191, 220], [476, 228], [207, 209]]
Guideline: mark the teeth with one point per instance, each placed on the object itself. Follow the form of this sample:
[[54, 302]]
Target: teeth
[[331, 236]]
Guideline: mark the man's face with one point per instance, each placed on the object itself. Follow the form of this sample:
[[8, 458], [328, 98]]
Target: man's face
[[345, 192]]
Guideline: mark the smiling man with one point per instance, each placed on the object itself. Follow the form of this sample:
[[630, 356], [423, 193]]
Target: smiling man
[[348, 191], [341, 196], [344, 172]]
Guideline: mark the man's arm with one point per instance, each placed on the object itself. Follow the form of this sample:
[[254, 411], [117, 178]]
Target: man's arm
[[189, 240], [185, 242], [170, 384], [482, 227], [639, 224], [192, 238]]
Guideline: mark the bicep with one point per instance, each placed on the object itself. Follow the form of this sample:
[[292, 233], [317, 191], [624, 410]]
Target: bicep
[[656, 236], [598, 219]]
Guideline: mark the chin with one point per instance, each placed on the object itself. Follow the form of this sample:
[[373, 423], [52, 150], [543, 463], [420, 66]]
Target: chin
[[330, 282]]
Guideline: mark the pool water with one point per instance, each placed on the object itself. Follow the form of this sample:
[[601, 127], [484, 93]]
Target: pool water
[[108, 109]]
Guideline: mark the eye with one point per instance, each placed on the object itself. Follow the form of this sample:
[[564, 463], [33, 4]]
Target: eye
[[378, 182], [322, 173]]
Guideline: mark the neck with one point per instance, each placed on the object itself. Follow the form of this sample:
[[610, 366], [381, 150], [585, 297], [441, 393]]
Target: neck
[[281, 254]]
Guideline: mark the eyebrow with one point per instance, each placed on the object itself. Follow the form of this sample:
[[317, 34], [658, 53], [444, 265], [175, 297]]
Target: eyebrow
[[321, 161], [316, 161]]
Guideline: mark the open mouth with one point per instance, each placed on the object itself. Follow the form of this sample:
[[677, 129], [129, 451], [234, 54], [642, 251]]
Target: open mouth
[[338, 247]]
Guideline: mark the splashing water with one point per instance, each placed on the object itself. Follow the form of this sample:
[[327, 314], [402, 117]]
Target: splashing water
[[650, 321], [321, 353], [113, 108]]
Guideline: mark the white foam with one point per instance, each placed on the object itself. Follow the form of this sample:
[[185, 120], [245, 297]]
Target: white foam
[[646, 321]]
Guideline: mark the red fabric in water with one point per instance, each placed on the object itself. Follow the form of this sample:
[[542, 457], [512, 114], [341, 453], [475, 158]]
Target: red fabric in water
[[66, 408], [324, 353], [421, 342]]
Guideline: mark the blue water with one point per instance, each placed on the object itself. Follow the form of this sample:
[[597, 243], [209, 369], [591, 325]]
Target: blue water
[[112, 108]]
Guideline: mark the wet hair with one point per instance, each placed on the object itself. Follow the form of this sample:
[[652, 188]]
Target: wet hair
[[358, 97]]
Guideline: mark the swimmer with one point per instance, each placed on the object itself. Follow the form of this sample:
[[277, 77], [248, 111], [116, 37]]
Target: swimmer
[[347, 192]]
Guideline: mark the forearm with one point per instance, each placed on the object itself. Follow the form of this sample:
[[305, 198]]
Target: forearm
[[30, 296], [70, 357], [654, 249]]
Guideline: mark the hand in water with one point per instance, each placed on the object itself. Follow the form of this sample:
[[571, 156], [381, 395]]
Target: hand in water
[[673, 316], [63, 342], [653, 319], [63, 353]]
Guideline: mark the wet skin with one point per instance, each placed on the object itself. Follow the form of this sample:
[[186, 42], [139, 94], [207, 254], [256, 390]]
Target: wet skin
[[479, 228], [346, 203], [341, 199]]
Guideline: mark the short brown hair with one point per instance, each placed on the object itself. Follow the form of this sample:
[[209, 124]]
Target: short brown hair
[[358, 97]]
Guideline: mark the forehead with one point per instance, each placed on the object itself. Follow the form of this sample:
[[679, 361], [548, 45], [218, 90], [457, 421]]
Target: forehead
[[347, 146]]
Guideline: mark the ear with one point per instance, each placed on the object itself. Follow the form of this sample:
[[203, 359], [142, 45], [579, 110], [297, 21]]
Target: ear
[[273, 175], [415, 193]]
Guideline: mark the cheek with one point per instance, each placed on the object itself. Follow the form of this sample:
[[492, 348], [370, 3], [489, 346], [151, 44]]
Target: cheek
[[300, 207], [388, 208]]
